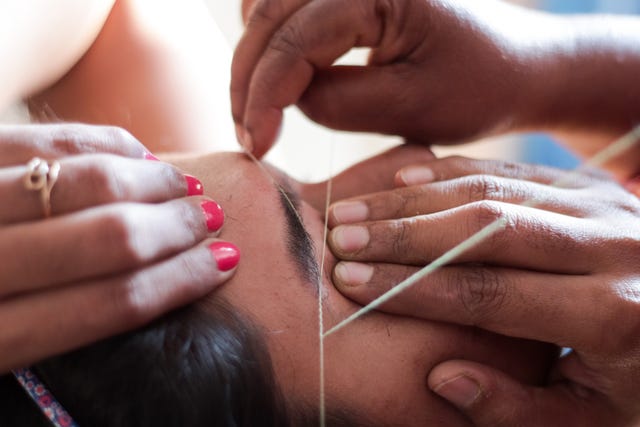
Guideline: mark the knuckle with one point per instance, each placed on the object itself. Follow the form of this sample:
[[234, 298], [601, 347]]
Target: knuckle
[[483, 187], [481, 292], [129, 300], [70, 139], [106, 182], [289, 39], [402, 242], [118, 135], [119, 232], [484, 213]]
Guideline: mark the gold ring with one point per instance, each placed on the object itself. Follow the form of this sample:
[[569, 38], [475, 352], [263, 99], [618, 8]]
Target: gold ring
[[42, 176]]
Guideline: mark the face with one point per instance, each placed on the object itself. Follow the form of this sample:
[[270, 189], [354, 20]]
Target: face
[[377, 365]]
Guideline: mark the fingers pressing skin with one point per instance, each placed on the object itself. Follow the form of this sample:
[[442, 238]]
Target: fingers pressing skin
[[86, 181], [440, 196], [492, 399], [530, 238], [100, 241], [20, 143], [100, 308], [456, 166], [501, 300]]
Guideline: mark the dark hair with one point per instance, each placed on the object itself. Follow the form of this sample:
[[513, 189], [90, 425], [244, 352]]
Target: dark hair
[[198, 366], [195, 367]]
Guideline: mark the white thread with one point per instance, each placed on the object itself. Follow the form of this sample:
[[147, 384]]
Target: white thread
[[322, 409]]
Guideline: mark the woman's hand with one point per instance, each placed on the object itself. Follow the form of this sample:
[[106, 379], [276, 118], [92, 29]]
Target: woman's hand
[[563, 270], [439, 70], [124, 244]]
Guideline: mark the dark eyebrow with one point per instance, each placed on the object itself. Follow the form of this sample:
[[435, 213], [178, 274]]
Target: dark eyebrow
[[299, 243]]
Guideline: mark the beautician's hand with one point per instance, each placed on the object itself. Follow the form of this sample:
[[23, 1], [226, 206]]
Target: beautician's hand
[[123, 242], [564, 272], [442, 70]]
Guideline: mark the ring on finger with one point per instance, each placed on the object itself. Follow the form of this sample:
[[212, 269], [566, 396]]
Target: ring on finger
[[42, 176]]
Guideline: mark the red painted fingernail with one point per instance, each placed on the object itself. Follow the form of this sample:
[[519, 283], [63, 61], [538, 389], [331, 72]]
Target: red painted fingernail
[[214, 215], [194, 186], [149, 156], [227, 255]]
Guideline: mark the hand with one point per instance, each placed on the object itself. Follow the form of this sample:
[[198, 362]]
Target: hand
[[439, 70], [564, 271], [124, 243]]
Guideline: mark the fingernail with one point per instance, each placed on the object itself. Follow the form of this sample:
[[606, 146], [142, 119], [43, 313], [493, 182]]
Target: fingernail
[[194, 186], [353, 273], [149, 156], [347, 212], [462, 391], [417, 175], [213, 214], [226, 254], [350, 238]]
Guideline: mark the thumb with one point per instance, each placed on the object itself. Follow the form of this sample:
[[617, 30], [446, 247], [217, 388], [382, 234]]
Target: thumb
[[364, 99], [491, 398]]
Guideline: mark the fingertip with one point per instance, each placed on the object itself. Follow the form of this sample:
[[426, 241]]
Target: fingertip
[[226, 255], [348, 212], [352, 274], [461, 390], [415, 175]]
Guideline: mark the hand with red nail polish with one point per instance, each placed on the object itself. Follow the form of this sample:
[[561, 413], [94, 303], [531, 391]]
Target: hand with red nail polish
[[110, 211]]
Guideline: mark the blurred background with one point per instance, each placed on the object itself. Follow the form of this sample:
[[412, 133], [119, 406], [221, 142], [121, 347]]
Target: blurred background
[[310, 152]]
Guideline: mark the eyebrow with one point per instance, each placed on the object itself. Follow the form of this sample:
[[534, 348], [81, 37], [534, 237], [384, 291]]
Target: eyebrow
[[299, 243]]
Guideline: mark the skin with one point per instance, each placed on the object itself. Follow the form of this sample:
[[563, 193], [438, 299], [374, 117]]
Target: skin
[[152, 70], [109, 201], [63, 29], [400, 351], [563, 271], [92, 270], [445, 71], [448, 71]]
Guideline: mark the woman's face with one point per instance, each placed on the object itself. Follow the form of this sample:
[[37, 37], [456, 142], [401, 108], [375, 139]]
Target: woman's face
[[378, 365]]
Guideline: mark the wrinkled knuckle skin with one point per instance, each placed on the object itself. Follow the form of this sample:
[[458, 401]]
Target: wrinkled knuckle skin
[[481, 293], [106, 183], [483, 187], [288, 40], [483, 214], [401, 243]]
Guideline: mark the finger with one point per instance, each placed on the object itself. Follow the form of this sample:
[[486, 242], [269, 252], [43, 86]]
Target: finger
[[92, 180], [264, 18], [518, 303], [101, 241], [369, 176], [341, 98], [523, 237], [456, 167], [443, 195], [491, 398], [59, 320], [20, 143], [306, 41]]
